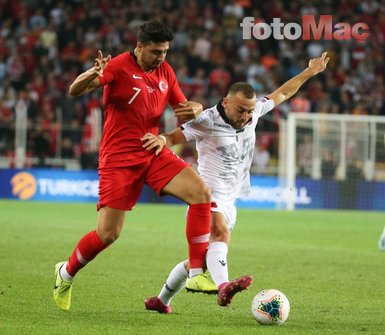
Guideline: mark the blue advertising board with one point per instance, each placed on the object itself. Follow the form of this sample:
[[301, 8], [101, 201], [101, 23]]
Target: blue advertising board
[[266, 192], [49, 185]]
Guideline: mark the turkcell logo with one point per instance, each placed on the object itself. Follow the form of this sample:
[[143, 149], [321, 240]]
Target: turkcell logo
[[23, 185], [309, 30], [68, 188], [49, 185]]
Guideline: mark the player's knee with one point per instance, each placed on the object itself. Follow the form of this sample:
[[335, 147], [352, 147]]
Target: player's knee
[[197, 193], [108, 237], [219, 232], [202, 195], [206, 194], [220, 236]]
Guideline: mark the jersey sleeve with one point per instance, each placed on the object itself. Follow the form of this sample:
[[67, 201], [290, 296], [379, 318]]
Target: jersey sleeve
[[176, 94], [264, 105], [197, 129], [108, 73]]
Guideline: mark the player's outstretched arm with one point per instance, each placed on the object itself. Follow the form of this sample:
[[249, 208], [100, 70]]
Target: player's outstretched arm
[[88, 80], [151, 141], [288, 89]]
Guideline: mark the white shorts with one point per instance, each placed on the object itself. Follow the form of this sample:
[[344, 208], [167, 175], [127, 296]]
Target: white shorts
[[227, 208]]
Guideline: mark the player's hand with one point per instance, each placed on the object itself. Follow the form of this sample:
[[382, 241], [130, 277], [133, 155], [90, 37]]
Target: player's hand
[[188, 110], [101, 63], [317, 65], [151, 141]]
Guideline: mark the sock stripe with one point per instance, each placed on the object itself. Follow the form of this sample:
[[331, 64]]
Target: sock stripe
[[200, 239], [198, 233], [80, 258]]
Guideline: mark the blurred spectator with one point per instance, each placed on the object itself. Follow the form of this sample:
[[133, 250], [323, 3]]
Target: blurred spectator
[[67, 149], [43, 48], [16, 69], [328, 165], [8, 94], [353, 170], [202, 46], [261, 158], [3, 69], [41, 146], [305, 156], [299, 103], [89, 158]]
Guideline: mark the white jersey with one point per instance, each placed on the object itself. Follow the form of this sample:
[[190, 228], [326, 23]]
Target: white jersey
[[224, 153]]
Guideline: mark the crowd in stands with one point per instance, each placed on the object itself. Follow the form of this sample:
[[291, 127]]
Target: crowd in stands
[[45, 44]]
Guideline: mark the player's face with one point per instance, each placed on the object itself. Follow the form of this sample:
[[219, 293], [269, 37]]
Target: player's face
[[238, 109], [150, 56]]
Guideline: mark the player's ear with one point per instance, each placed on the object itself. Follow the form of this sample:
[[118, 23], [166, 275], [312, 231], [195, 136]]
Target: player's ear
[[139, 46], [225, 101]]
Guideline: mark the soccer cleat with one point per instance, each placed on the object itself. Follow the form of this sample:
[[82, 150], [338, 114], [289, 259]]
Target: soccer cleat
[[228, 290], [154, 304], [381, 242], [201, 283], [62, 289]]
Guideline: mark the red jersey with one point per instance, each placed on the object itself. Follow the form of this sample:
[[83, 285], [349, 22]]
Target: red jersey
[[134, 102]]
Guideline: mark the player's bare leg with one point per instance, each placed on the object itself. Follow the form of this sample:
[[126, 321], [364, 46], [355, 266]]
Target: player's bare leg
[[110, 223]]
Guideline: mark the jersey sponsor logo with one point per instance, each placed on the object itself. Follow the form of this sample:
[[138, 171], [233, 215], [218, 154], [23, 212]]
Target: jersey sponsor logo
[[221, 125], [136, 77], [150, 89], [163, 86]]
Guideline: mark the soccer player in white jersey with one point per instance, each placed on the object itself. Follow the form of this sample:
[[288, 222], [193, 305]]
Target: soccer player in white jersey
[[225, 139]]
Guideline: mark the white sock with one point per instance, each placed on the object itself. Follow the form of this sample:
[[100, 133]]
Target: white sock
[[64, 274], [174, 283], [216, 260], [195, 272]]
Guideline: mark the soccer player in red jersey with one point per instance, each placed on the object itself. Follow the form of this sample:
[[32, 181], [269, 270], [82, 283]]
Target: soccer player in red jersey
[[137, 88]]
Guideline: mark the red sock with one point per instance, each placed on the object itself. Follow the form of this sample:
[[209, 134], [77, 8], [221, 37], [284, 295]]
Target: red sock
[[198, 233], [86, 250]]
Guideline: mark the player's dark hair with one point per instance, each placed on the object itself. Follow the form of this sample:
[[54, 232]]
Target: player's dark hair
[[243, 87], [155, 32]]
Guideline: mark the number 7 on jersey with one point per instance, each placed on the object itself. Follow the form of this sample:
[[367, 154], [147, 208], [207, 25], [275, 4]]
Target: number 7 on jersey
[[135, 95]]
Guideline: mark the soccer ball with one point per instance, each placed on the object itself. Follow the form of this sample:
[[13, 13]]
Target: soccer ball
[[270, 307]]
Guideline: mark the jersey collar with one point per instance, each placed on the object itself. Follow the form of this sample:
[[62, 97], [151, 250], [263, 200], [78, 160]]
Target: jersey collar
[[221, 111]]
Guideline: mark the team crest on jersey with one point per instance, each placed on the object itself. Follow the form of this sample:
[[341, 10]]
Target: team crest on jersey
[[163, 86]]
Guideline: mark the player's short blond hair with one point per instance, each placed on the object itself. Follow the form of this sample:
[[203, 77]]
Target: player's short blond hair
[[243, 87]]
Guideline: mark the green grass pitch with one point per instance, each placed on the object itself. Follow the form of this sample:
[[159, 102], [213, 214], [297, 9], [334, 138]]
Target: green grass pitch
[[326, 262]]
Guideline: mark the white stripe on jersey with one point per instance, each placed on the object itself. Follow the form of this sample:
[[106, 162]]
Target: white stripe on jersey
[[225, 154]]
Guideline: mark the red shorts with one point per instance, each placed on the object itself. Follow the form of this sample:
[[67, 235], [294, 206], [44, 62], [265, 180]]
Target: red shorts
[[120, 188]]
